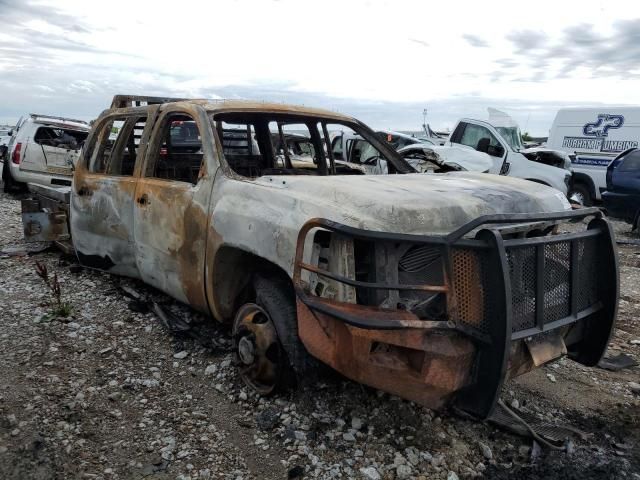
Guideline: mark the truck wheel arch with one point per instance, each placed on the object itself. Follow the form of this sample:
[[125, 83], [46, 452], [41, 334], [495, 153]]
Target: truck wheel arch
[[240, 277], [231, 279], [579, 177]]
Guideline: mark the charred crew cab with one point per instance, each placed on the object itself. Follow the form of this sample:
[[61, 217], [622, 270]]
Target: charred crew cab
[[433, 287]]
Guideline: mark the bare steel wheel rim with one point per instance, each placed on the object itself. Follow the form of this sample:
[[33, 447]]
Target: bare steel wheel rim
[[257, 350]]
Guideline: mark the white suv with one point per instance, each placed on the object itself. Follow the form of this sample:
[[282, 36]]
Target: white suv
[[43, 149]]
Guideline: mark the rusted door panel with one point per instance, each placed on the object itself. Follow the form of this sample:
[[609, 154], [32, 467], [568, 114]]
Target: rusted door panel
[[170, 236], [101, 216], [171, 220], [102, 223]]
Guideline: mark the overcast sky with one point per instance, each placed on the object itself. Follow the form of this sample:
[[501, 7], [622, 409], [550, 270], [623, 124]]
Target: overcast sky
[[381, 61]]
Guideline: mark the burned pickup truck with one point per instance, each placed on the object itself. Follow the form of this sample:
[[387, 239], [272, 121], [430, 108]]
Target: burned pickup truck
[[436, 288]]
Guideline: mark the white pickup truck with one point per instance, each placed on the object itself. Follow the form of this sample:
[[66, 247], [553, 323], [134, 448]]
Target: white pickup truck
[[500, 138]]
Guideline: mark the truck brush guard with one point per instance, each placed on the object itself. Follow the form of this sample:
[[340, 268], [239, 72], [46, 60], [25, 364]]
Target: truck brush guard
[[507, 295]]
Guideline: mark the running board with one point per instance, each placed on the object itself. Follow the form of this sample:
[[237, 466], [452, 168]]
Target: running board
[[525, 424]]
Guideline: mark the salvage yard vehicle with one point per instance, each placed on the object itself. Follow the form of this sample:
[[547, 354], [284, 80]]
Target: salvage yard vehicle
[[422, 155], [500, 138], [43, 150], [593, 137], [439, 159], [622, 197], [298, 147], [436, 288], [5, 136]]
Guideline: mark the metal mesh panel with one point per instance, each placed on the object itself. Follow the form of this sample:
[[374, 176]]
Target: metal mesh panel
[[522, 272], [473, 283], [588, 272], [469, 276], [557, 281]]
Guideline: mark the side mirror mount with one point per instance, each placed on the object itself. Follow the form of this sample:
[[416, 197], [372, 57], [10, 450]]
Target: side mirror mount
[[495, 150]]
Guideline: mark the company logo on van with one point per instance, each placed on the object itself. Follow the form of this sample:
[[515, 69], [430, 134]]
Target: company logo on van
[[604, 123], [595, 139]]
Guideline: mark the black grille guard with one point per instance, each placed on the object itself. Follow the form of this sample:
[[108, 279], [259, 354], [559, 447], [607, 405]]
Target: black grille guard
[[575, 280]]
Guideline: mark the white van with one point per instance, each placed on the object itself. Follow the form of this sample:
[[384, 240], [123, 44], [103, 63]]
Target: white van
[[593, 137], [43, 150]]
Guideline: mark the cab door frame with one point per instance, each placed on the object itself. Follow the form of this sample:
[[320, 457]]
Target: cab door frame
[[171, 217], [101, 207]]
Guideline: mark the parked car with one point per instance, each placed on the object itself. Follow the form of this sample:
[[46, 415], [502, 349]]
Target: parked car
[[439, 159], [5, 136], [422, 155], [43, 150], [296, 146], [622, 197], [435, 288], [501, 139], [593, 137]]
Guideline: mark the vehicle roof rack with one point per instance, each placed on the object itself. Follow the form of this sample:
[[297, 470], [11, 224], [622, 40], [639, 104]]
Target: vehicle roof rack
[[125, 101], [51, 117]]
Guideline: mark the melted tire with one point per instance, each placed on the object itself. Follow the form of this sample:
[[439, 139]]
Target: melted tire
[[276, 295]]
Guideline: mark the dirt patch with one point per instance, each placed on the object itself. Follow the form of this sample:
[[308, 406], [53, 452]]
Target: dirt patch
[[108, 393]]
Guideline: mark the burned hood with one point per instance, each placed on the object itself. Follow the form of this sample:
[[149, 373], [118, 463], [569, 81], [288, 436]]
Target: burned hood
[[415, 203]]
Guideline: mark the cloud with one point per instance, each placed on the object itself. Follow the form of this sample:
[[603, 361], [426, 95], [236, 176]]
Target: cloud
[[419, 42], [581, 50], [18, 12], [70, 57], [475, 41], [527, 40]]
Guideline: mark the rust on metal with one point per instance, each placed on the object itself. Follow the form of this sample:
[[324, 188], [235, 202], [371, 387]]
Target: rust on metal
[[426, 366], [392, 290]]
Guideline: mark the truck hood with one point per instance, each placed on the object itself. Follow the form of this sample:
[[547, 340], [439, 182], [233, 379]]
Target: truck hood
[[548, 156], [414, 203]]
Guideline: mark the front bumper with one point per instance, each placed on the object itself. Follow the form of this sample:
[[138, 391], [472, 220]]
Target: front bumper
[[621, 205], [512, 303]]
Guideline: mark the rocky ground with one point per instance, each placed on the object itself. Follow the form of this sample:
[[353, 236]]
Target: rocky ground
[[108, 393]]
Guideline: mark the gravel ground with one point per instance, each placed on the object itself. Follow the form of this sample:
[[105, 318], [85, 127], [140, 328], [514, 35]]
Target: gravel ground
[[108, 394]]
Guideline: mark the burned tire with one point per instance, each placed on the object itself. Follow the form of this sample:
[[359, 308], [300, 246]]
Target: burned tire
[[582, 193], [268, 351]]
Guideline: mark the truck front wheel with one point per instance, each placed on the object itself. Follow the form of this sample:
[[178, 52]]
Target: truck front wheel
[[267, 348], [259, 355], [580, 192]]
